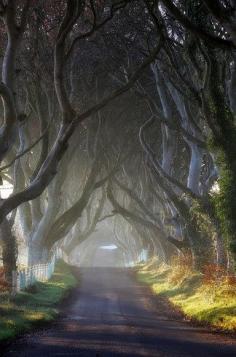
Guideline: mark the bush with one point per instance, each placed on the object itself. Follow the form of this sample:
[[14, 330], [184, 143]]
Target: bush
[[182, 267], [217, 281]]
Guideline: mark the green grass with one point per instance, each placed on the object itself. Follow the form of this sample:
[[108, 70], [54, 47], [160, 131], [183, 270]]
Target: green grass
[[212, 304], [32, 308]]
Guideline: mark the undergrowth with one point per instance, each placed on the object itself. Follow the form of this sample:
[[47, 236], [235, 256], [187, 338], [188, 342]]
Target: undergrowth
[[35, 306], [209, 296]]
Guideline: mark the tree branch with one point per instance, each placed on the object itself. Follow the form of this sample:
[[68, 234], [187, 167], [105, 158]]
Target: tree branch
[[156, 164], [49, 167], [22, 153], [95, 27], [215, 41]]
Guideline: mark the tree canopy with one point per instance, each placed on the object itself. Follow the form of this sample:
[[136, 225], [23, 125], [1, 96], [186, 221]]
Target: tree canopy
[[121, 112]]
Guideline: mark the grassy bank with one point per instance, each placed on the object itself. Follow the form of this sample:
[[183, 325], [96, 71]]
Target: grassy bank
[[36, 306], [200, 297]]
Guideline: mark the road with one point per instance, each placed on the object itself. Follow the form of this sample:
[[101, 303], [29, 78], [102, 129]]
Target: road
[[111, 314]]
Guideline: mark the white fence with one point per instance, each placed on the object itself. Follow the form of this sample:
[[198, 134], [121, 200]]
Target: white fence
[[27, 277]]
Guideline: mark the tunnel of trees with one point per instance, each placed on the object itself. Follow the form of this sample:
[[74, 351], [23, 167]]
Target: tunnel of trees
[[120, 114]]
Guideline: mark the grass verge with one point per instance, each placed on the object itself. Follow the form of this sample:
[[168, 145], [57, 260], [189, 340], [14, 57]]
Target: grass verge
[[34, 307], [213, 303]]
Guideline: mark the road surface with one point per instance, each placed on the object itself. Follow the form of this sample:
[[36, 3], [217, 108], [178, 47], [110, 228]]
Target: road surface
[[113, 315]]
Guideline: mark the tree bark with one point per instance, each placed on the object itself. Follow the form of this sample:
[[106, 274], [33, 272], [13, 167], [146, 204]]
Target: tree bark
[[9, 250]]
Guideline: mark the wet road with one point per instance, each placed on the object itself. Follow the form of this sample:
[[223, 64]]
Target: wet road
[[113, 315]]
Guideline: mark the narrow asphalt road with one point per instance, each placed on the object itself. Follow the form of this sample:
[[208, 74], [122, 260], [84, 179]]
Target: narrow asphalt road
[[113, 315]]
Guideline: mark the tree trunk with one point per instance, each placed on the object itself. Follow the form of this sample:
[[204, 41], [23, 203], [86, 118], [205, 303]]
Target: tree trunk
[[194, 168], [37, 254], [42, 229], [221, 258], [9, 250]]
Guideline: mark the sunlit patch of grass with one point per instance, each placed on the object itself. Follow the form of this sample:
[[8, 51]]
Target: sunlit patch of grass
[[214, 304], [36, 306]]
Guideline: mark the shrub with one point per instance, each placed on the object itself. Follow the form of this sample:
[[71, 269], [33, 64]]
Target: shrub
[[182, 266], [217, 282], [213, 273]]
